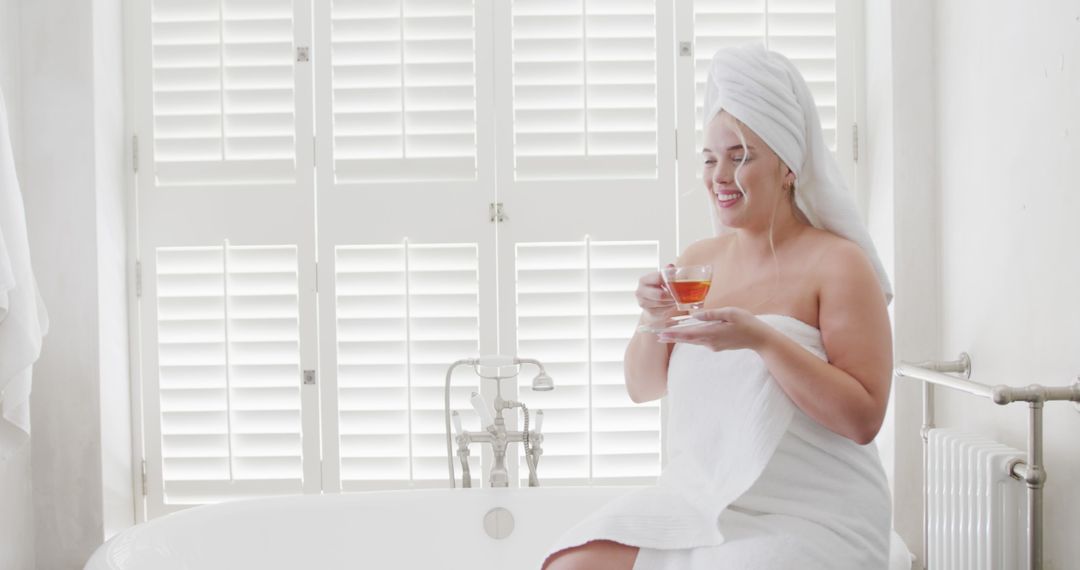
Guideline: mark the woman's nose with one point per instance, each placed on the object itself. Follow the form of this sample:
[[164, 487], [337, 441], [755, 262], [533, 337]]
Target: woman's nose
[[723, 172]]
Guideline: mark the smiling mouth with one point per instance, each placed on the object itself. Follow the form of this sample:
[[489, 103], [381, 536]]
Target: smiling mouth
[[728, 199]]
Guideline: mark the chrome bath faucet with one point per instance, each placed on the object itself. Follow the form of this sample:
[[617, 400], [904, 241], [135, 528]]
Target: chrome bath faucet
[[495, 433]]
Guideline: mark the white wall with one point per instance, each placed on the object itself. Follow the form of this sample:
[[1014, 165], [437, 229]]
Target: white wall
[[59, 186], [73, 171], [16, 499], [109, 169], [876, 170], [971, 135], [900, 169], [1008, 97]]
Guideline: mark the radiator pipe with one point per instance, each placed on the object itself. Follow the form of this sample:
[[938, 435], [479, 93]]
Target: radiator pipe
[[1033, 475]]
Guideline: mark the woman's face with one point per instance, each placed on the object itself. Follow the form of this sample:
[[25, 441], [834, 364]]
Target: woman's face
[[762, 175]]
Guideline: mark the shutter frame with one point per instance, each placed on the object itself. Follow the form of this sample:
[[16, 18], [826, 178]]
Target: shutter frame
[[575, 70], [454, 200], [404, 311], [404, 85], [576, 310], [229, 360], [225, 93]]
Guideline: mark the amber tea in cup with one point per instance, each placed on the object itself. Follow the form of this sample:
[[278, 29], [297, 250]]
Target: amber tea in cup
[[688, 285]]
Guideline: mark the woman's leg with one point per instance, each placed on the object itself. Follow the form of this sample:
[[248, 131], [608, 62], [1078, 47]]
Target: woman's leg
[[595, 555]]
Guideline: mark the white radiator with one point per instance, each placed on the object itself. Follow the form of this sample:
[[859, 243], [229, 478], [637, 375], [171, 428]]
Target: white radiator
[[976, 512]]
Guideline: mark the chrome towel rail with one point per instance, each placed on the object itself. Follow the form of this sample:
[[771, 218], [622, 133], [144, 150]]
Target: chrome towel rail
[[1031, 471]]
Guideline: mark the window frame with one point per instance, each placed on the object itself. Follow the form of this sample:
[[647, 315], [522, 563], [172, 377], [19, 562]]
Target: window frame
[[672, 143]]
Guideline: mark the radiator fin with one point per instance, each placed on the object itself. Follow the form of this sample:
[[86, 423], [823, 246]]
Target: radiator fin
[[976, 511]]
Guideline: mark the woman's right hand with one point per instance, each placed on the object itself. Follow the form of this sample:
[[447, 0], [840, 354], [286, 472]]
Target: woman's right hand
[[654, 299]]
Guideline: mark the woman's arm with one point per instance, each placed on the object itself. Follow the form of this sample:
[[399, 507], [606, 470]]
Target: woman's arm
[[645, 363], [849, 393]]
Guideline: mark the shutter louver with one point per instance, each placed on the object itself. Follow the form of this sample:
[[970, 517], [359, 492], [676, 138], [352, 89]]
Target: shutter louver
[[584, 89], [224, 109], [552, 315], [626, 436], [229, 371], [802, 30], [404, 313], [576, 312], [404, 90]]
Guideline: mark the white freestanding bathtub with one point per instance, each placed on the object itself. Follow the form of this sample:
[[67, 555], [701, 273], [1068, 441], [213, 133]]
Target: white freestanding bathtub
[[443, 528], [419, 529]]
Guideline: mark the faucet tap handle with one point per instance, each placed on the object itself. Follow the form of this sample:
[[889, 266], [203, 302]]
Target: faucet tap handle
[[456, 417], [481, 408]]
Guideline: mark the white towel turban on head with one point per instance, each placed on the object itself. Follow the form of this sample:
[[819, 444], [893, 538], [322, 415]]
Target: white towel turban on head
[[764, 91]]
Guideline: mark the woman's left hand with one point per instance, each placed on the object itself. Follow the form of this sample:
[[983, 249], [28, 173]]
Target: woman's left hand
[[729, 328]]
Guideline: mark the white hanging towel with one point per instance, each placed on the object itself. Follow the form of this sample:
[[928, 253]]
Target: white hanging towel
[[23, 320]]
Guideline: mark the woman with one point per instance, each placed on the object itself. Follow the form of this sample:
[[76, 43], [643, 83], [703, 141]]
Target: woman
[[773, 397]]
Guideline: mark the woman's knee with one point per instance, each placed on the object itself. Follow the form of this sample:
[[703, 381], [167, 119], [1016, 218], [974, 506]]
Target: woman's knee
[[595, 555]]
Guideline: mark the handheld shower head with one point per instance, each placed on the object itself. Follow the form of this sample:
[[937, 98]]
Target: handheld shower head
[[542, 382]]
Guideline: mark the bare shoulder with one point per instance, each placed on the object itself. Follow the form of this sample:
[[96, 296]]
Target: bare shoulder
[[832, 256], [843, 259], [847, 282], [703, 250]]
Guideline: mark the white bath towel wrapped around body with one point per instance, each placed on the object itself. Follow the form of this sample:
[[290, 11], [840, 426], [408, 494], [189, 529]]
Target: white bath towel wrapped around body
[[751, 483]]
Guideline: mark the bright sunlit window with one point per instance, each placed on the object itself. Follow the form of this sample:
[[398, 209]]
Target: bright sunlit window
[[337, 199]]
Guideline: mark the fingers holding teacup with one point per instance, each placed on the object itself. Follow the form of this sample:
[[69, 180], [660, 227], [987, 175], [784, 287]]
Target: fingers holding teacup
[[651, 292], [654, 298]]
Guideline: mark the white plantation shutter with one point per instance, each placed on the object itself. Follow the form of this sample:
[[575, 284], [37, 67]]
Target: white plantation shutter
[[576, 312], [404, 313], [224, 91], [626, 436], [225, 215], [552, 326], [404, 90], [405, 157], [586, 119], [585, 91], [415, 101], [229, 369]]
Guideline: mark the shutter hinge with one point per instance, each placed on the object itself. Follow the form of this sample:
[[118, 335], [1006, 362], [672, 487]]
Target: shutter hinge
[[135, 153], [145, 492], [309, 377], [855, 141], [138, 279], [686, 49], [303, 54], [495, 212]]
